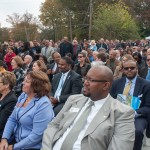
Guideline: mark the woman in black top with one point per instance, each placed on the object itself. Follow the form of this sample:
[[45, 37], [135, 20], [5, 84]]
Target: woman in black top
[[82, 67], [7, 97]]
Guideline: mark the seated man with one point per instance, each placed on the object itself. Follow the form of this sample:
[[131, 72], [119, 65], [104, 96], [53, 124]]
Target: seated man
[[64, 84], [140, 88], [92, 121]]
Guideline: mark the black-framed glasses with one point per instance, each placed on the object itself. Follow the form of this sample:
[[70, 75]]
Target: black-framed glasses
[[92, 80], [127, 68]]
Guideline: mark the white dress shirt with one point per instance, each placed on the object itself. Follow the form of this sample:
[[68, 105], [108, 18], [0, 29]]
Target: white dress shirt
[[77, 145]]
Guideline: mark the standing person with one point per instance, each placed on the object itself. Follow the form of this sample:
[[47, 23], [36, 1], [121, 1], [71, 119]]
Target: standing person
[[76, 49], [7, 99], [31, 115], [92, 120], [65, 47], [140, 88], [8, 57], [17, 64], [64, 84], [37, 49], [47, 51]]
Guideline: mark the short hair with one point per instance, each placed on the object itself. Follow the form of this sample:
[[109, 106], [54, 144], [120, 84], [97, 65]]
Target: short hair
[[83, 53], [102, 56], [18, 61], [41, 65], [39, 83], [44, 58], [128, 56], [67, 60], [8, 78]]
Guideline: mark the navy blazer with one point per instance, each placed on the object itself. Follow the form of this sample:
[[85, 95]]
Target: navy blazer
[[73, 85], [142, 90]]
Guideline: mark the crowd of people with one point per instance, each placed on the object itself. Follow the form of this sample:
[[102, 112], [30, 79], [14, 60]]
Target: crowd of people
[[65, 95]]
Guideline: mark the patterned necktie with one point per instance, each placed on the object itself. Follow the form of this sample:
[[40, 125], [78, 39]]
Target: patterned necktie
[[74, 132], [127, 88], [148, 75]]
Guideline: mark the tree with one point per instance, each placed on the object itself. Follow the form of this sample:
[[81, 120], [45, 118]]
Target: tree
[[24, 27], [113, 21], [4, 34]]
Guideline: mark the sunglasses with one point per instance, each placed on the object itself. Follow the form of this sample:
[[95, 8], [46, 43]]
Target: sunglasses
[[147, 59], [80, 56], [127, 68]]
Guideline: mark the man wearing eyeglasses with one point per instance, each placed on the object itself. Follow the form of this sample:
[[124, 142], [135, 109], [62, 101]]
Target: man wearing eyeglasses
[[139, 88], [92, 120]]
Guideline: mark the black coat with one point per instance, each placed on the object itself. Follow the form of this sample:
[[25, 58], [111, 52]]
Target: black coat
[[6, 107]]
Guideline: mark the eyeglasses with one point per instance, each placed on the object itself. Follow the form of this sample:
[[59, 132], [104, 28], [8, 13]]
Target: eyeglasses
[[127, 68], [147, 59], [80, 56], [92, 80]]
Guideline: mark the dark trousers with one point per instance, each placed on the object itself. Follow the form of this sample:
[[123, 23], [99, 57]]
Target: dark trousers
[[58, 108], [140, 126]]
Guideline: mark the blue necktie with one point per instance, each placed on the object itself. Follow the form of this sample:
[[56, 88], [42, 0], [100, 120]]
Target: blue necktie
[[59, 88], [148, 75]]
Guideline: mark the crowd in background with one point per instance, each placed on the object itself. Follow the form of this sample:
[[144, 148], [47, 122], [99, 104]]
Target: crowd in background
[[24, 59]]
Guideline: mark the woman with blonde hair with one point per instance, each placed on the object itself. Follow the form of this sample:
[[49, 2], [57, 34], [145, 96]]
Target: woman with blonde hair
[[39, 65]]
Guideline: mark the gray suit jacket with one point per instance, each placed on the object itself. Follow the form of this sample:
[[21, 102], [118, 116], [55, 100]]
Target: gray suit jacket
[[47, 52], [111, 129]]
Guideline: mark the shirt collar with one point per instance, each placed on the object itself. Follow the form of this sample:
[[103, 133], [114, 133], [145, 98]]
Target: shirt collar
[[100, 102], [133, 80]]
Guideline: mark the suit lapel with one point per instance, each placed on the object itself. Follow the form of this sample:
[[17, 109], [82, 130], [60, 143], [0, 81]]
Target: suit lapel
[[137, 87], [69, 117], [100, 117], [28, 108], [67, 79]]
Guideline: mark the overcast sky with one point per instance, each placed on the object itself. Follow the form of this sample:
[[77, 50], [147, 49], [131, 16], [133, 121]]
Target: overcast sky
[[8, 7]]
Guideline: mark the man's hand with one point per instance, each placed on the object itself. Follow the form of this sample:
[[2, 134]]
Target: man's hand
[[54, 100]]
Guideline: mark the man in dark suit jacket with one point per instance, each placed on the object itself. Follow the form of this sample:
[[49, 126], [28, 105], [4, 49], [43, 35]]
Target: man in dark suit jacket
[[71, 83], [53, 67], [65, 47], [144, 71], [140, 88]]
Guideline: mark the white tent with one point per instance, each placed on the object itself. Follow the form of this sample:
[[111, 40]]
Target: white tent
[[147, 38]]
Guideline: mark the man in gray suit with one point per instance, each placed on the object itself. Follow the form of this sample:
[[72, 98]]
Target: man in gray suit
[[109, 124], [47, 51]]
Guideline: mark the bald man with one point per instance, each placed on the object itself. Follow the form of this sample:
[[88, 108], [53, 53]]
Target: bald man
[[27, 63], [92, 120], [112, 62]]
